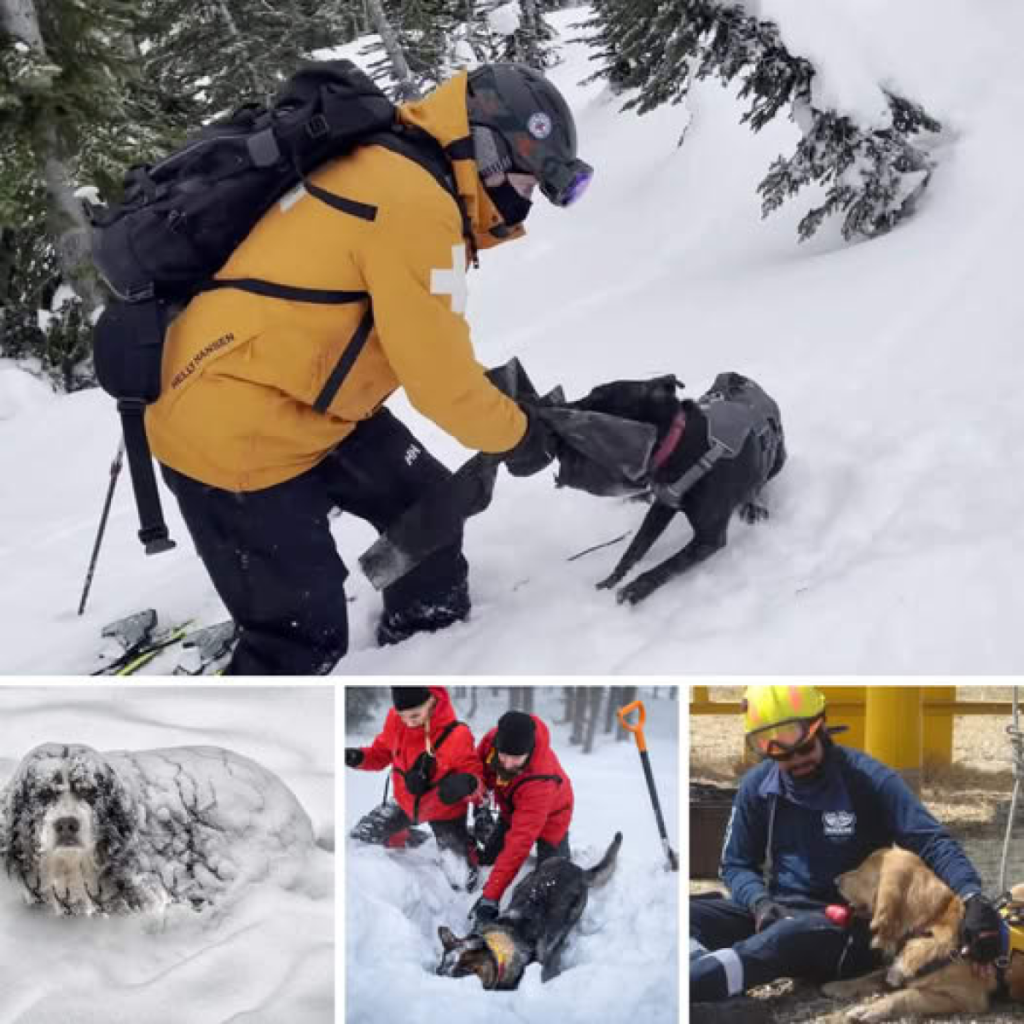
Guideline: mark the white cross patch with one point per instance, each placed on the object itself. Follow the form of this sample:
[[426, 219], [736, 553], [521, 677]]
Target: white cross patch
[[452, 282]]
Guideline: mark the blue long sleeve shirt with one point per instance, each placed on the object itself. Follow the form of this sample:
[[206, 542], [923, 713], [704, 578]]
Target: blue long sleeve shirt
[[827, 825]]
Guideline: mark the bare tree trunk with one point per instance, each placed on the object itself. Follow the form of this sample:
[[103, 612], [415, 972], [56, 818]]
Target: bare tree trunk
[[527, 700], [627, 696], [568, 698], [594, 696], [472, 701], [613, 704], [513, 698], [66, 218], [399, 65], [579, 715]]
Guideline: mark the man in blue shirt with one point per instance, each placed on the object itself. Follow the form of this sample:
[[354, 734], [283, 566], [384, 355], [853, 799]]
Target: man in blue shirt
[[811, 811]]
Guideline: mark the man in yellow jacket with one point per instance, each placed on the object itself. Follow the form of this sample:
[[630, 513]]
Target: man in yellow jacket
[[264, 426]]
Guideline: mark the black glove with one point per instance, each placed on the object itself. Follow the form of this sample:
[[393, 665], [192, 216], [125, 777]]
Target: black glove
[[981, 930], [767, 912], [417, 778], [483, 911], [454, 788], [536, 450], [353, 757]]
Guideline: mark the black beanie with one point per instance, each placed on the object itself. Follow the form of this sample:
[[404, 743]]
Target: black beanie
[[406, 697], [516, 733]]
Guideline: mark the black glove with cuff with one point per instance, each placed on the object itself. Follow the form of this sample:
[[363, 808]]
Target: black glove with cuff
[[484, 911], [537, 448], [353, 757], [454, 788], [417, 778], [981, 930], [767, 912]]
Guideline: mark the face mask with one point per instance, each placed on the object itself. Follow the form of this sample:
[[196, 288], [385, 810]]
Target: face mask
[[514, 209]]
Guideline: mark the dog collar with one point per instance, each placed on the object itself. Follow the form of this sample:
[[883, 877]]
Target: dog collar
[[502, 949], [669, 442]]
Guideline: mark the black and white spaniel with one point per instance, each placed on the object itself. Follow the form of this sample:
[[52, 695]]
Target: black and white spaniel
[[86, 832]]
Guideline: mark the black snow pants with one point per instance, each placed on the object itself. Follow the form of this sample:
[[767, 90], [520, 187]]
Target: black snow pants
[[727, 956], [274, 563]]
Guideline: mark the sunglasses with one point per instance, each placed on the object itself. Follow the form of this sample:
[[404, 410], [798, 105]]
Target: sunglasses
[[785, 755]]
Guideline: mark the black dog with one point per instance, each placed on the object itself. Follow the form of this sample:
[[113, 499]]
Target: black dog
[[712, 458], [544, 907]]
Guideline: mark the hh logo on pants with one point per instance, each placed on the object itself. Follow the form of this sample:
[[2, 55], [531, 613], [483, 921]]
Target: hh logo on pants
[[839, 823]]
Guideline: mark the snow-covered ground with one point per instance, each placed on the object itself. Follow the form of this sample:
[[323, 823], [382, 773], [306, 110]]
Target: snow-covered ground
[[897, 530], [620, 965], [266, 957]]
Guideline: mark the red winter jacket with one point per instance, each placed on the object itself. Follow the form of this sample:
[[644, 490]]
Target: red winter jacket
[[399, 746], [537, 804]]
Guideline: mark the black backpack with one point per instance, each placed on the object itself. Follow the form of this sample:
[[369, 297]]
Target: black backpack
[[180, 220]]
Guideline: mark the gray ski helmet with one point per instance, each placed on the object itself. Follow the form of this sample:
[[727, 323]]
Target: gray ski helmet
[[530, 116]]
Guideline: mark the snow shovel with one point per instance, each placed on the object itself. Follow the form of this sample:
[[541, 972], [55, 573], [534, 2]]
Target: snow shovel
[[638, 734]]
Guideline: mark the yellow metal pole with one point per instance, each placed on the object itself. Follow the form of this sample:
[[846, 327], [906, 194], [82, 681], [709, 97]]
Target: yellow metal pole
[[844, 705], [894, 732], [938, 728]]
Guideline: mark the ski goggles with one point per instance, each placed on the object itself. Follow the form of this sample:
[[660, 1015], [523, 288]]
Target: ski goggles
[[784, 740], [564, 184]]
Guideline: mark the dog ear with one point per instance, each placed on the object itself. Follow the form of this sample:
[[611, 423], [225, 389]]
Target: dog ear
[[448, 940]]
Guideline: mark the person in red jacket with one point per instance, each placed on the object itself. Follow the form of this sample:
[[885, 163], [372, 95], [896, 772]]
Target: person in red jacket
[[434, 773], [534, 796]]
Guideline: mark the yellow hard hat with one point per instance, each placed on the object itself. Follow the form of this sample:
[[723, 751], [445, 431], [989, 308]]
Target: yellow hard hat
[[777, 719]]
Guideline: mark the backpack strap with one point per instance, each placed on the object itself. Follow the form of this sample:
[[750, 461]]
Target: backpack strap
[[557, 779], [152, 528]]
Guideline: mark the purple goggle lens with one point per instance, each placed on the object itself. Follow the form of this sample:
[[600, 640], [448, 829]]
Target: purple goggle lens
[[567, 185]]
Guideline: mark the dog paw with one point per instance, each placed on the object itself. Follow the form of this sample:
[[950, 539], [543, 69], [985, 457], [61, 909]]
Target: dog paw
[[895, 978], [635, 592]]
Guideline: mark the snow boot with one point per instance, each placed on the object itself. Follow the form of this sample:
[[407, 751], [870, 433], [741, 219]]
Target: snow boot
[[738, 1010], [424, 617], [383, 822]]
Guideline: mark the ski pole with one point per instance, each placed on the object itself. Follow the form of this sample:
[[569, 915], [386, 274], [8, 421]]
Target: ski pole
[[641, 743], [115, 472]]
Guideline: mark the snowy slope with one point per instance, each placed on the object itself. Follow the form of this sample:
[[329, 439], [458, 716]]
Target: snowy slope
[[620, 965], [266, 958], [896, 537]]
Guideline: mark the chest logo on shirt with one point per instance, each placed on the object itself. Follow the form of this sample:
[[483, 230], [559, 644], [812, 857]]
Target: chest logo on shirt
[[452, 282], [839, 823]]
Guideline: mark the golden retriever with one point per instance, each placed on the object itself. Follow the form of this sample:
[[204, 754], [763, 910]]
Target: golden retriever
[[915, 921]]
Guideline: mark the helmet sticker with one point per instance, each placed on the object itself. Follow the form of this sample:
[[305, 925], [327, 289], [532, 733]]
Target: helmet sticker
[[539, 125]]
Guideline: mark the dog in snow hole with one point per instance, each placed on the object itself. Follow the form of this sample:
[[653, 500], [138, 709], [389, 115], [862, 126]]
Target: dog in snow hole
[[84, 832], [544, 907], [711, 458]]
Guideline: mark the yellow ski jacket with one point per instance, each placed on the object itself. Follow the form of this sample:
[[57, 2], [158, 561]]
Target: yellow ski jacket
[[241, 372]]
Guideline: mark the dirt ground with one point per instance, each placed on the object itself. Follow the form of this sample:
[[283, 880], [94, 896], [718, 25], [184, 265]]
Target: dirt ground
[[971, 798]]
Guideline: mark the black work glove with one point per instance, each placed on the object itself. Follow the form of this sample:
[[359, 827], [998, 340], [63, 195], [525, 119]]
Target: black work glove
[[536, 450], [483, 911], [454, 788], [353, 757], [417, 778], [980, 930], [767, 912]]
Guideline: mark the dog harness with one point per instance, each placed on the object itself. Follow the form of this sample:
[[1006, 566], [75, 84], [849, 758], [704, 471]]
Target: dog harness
[[736, 408], [503, 949]]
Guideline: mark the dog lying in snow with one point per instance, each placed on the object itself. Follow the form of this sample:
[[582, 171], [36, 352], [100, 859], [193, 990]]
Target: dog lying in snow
[[84, 832], [544, 907], [712, 458], [915, 919]]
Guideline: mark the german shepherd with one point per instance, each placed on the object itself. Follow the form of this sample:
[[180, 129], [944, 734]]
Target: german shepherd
[[544, 907]]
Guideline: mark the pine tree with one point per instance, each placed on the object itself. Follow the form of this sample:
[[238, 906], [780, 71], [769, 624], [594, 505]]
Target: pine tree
[[414, 52], [61, 84], [873, 176]]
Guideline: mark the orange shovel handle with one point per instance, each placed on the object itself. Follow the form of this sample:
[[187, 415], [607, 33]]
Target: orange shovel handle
[[636, 729]]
